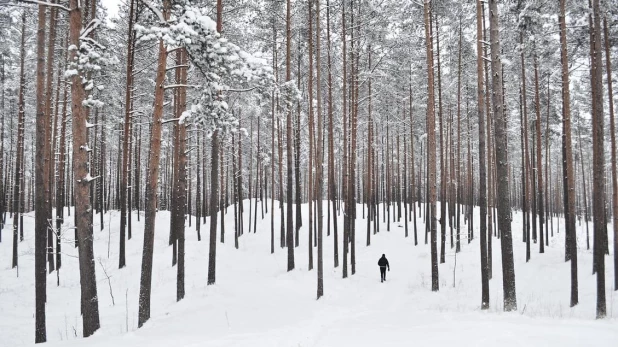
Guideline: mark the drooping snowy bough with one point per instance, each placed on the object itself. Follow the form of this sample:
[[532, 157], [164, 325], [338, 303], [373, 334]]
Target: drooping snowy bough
[[222, 64]]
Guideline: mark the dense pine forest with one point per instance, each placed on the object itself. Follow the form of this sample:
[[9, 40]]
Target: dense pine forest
[[476, 129]]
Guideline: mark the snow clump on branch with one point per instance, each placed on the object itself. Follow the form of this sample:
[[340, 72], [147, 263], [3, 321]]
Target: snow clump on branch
[[222, 64], [88, 62]]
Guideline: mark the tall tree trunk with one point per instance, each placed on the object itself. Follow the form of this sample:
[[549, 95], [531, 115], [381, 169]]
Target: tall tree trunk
[[458, 184], [82, 182], [297, 144], [612, 123], [412, 164], [288, 77], [152, 182], [504, 213], [214, 205], [198, 189], [101, 183], [527, 169], [431, 149], [354, 129], [125, 141], [48, 134], [482, 165], [180, 176], [598, 149], [272, 163], [3, 175], [538, 171], [331, 153], [319, 156], [17, 182], [223, 187], [368, 182], [443, 144], [489, 159], [344, 171], [61, 186], [310, 183], [41, 182]]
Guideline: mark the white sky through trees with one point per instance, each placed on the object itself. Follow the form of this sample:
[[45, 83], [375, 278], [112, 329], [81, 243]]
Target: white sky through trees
[[112, 6]]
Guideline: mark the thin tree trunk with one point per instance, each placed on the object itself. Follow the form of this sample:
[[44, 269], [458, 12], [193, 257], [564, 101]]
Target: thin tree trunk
[[412, 164], [482, 165], [458, 184], [3, 174], [41, 182], [310, 188], [320, 147], [17, 193], [331, 153], [538, 171], [527, 169], [431, 149], [51, 42], [61, 187], [598, 187], [345, 172], [125, 141], [297, 173], [180, 177], [288, 77], [612, 123], [443, 171]]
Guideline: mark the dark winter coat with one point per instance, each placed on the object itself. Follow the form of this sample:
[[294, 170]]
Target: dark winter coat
[[383, 262]]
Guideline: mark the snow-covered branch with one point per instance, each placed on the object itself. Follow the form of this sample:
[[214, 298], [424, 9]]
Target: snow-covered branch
[[154, 10], [176, 67], [89, 28], [45, 3], [172, 86]]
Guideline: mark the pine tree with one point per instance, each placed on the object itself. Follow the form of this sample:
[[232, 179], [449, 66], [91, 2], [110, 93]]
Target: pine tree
[[482, 166], [504, 207], [431, 148]]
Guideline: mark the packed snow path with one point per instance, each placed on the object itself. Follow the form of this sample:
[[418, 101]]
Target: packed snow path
[[255, 302]]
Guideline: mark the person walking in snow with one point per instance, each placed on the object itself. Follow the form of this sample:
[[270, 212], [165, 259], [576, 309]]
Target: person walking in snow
[[383, 264]]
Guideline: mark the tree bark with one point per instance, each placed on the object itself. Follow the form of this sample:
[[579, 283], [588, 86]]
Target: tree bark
[[319, 156], [538, 171], [344, 171], [504, 213], [482, 164], [180, 178], [48, 134], [527, 169], [431, 149], [288, 77], [331, 153], [41, 183], [17, 182], [612, 122], [152, 182], [125, 141], [567, 161], [598, 149], [83, 209]]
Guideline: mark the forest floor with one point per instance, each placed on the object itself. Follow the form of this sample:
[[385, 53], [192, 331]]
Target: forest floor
[[256, 302]]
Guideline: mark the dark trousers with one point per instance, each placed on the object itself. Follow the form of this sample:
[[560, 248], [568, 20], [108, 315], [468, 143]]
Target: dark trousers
[[382, 273]]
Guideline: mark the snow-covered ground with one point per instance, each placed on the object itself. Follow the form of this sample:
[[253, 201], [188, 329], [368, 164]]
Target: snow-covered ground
[[256, 302]]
